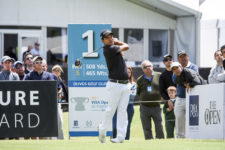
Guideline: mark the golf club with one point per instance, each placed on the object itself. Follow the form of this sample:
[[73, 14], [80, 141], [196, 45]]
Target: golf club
[[78, 62]]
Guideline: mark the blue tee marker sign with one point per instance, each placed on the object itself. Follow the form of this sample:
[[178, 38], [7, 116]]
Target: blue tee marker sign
[[83, 41], [87, 93]]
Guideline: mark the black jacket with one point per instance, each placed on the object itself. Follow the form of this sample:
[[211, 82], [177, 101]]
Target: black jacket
[[165, 81], [191, 77]]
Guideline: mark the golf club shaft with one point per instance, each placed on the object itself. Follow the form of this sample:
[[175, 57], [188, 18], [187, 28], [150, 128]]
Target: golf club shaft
[[90, 53]]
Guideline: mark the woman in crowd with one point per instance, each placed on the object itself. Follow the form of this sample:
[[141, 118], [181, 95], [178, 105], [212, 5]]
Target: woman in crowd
[[57, 70]]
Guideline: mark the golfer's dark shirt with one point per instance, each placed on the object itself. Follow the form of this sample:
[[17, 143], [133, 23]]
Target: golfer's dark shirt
[[115, 63]]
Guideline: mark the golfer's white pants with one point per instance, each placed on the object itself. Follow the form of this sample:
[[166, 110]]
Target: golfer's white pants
[[118, 99], [180, 114]]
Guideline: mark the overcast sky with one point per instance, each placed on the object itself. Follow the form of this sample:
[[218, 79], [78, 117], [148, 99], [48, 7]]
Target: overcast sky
[[211, 9]]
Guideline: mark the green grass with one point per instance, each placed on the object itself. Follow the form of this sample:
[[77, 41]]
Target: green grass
[[137, 142]]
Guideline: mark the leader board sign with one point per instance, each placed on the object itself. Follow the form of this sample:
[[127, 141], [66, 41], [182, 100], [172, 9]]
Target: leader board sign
[[87, 92], [205, 116], [28, 109]]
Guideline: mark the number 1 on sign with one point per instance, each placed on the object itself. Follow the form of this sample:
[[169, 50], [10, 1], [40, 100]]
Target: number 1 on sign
[[90, 37]]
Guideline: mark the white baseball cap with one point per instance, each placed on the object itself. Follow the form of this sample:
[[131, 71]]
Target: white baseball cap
[[175, 64]]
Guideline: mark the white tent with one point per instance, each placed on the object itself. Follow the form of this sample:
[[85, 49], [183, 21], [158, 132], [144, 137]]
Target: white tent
[[187, 24]]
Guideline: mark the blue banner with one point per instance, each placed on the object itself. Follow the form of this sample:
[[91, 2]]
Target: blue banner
[[194, 110], [84, 40], [87, 92]]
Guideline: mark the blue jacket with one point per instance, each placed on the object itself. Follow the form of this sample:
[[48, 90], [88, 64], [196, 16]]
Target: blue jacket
[[181, 90]]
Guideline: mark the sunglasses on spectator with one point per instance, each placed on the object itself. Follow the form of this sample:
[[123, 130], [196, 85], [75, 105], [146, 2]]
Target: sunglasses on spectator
[[167, 59], [19, 66], [148, 66], [38, 62], [57, 70], [29, 58]]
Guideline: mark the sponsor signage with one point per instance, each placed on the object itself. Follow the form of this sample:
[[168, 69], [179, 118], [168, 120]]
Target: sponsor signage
[[87, 92], [85, 44], [213, 114], [205, 116], [194, 110], [24, 109]]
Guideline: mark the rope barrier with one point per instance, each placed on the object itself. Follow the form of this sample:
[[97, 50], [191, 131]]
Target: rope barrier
[[139, 102]]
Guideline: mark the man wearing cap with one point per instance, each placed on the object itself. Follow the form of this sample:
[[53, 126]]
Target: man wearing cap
[[183, 59], [19, 68], [180, 105], [6, 73], [165, 79], [149, 95], [36, 50], [117, 87], [185, 78], [38, 73]]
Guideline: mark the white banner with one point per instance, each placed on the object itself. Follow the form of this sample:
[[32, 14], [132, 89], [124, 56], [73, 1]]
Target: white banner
[[205, 117], [86, 110]]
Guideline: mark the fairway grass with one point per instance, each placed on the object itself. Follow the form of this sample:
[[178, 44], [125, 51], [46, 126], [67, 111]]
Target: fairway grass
[[137, 142]]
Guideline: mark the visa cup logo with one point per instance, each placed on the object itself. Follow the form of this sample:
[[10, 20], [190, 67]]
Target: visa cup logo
[[79, 102]]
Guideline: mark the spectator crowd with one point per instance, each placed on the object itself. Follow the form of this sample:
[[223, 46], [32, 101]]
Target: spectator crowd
[[34, 67], [152, 88], [170, 87]]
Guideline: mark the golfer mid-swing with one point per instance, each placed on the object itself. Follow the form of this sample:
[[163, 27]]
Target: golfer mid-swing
[[117, 87]]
